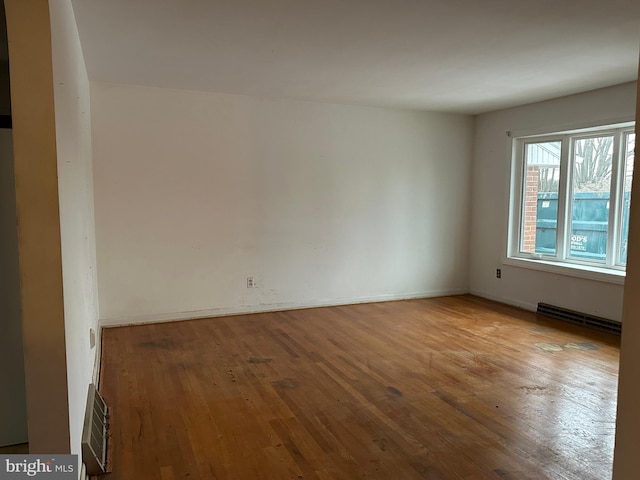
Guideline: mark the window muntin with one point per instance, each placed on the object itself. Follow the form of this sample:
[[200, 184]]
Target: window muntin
[[570, 197], [627, 176]]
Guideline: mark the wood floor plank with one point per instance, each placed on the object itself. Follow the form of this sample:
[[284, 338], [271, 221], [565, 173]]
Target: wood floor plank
[[446, 388]]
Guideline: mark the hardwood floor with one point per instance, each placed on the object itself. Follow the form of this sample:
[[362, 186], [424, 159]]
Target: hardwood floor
[[443, 388]]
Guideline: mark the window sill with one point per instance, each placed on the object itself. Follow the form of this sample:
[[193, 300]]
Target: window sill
[[599, 274]]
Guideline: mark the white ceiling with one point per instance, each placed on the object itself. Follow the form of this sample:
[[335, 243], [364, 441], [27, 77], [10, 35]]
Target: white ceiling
[[465, 56]]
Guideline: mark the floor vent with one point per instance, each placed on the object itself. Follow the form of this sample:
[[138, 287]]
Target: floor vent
[[95, 433], [578, 318]]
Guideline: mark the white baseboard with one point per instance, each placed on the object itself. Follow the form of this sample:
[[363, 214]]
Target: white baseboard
[[271, 307], [532, 307]]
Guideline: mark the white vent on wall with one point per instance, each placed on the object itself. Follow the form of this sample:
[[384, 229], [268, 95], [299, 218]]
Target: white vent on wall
[[95, 433]]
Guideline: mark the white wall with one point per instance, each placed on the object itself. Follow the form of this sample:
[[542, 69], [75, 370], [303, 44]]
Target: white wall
[[491, 163], [322, 204], [73, 141]]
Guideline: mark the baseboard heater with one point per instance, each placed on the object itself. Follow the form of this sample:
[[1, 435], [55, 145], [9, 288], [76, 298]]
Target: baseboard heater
[[95, 433], [579, 318]]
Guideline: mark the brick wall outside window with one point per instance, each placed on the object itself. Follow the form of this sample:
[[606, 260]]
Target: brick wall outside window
[[530, 210]]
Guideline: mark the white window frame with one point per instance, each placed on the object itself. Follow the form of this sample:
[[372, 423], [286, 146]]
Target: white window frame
[[608, 271]]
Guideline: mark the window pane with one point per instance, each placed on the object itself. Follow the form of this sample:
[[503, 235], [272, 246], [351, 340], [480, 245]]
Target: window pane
[[628, 149], [540, 198], [592, 159]]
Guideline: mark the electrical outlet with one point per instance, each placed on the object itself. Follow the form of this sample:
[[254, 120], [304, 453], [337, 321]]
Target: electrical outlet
[[498, 273], [250, 282]]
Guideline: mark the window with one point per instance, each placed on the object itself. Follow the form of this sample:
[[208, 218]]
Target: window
[[570, 198]]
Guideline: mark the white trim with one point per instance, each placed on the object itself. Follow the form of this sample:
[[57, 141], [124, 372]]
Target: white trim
[[621, 181], [561, 262], [565, 193], [512, 201], [617, 166], [600, 274], [269, 307], [575, 127]]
